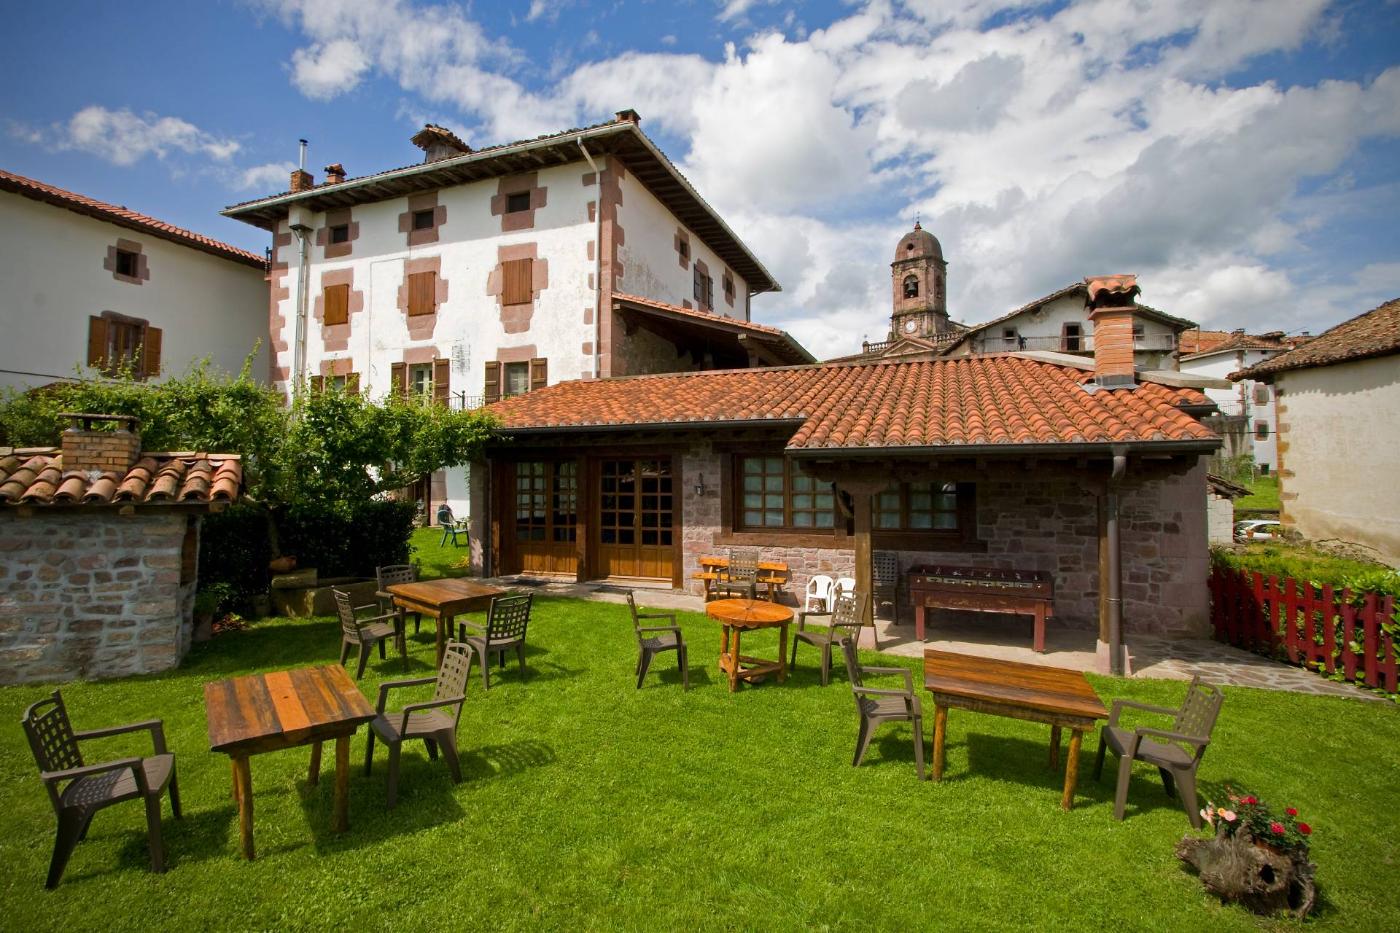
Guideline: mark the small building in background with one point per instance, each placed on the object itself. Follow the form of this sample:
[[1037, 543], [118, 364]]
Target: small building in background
[[1220, 508]]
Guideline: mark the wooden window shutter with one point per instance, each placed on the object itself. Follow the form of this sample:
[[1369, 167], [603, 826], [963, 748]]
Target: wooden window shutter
[[398, 378], [539, 373], [422, 293], [97, 342], [493, 382], [318, 385], [336, 301], [150, 352], [516, 282], [352, 383], [442, 378]]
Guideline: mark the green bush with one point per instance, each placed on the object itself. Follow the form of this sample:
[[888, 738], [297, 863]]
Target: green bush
[[234, 550], [350, 540], [1309, 566]]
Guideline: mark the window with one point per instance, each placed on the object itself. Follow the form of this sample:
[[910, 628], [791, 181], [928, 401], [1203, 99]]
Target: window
[[775, 494], [1071, 338], [340, 233], [704, 289], [728, 287], [911, 286], [917, 507], [684, 248], [1010, 338], [517, 202], [1261, 430], [546, 501], [422, 293], [116, 343], [123, 345], [335, 301], [517, 379], [420, 379], [517, 286], [1261, 394], [128, 263], [423, 220]]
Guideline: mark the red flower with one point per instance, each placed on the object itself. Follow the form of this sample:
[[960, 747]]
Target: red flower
[[1291, 811], [1277, 828], [1250, 799], [1305, 829]]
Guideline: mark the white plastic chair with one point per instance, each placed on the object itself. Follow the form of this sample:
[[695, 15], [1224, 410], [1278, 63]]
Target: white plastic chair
[[819, 598], [844, 585]]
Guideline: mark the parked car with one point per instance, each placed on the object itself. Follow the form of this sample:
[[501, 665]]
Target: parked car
[[1258, 529]]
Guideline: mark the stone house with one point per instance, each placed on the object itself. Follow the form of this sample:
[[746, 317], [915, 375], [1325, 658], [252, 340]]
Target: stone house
[[484, 273], [114, 287], [1338, 403], [993, 460], [99, 551]]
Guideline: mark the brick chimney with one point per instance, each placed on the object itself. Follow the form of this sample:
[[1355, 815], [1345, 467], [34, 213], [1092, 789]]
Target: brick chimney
[[335, 173], [301, 181], [627, 116], [438, 143], [1111, 309], [86, 448]]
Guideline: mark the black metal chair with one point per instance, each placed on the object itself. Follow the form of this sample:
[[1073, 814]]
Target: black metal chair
[[740, 578], [364, 632], [506, 624], [78, 790], [650, 645], [389, 575], [878, 705], [434, 721], [844, 623]]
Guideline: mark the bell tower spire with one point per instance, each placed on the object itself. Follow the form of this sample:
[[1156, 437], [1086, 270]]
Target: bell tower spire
[[920, 279]]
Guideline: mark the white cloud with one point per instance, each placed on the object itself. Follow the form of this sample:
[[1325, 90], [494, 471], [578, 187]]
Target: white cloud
[[547, 10], [270, 176], [125, 138], [325, 70]]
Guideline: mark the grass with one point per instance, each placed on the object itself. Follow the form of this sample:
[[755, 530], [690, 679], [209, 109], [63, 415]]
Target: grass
[[1305, 562], [1263, 495], [435, 559], [590, 804]]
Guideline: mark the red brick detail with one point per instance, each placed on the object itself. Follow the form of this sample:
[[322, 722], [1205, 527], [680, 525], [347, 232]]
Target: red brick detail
[[1113, 342], [421, 326], [728, 285], [336, 337], [610, 199], [278, 292], [427, 200], [516, 184], [143, 272], [323, 234], [682, 245], [517, 354], [341, 366], [515, 318]]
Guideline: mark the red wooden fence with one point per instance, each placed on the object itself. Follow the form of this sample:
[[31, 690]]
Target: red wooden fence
[[1313, 627]]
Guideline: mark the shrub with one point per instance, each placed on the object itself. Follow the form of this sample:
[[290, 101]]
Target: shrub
[[234, 550], [349, 540]]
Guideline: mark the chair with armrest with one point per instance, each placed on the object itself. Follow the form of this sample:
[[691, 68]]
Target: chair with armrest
[[740, 578], [654, 639], [877, 706], [364, 632], [389, 575], [452, 526], [821, 594], [434, 721], [843, 622], [507, 621]]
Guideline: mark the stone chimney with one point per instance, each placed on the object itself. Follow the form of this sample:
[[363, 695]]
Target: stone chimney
[[335, 173], [627, 116], [438, 143], [87, 449], [1111, 309], [301, 181]]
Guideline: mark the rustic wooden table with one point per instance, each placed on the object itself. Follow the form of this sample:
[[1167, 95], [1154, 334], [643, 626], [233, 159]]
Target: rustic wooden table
[[738, 615], [1057, 697], [443, 600], [267, 712], [771, 574]]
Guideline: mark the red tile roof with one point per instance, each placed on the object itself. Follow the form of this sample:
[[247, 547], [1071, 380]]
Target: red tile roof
[[36, 477], [1274, 340], [783, 342], [124, 217], [993, 401], [1375, 333]]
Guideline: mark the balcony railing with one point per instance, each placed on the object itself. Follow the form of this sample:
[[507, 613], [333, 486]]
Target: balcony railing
[[1161, 343], [938, 340]]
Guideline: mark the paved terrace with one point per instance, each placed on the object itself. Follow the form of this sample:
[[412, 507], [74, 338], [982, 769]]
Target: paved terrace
[[1008, 637]]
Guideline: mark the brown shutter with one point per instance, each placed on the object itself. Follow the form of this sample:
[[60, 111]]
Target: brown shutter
[[493, 382], [422, 292], [318, 385], [442, 378], [97, 342], [539, 373], [352, 383], [150, 349], [516, 285], [336, 299], [398, 378]]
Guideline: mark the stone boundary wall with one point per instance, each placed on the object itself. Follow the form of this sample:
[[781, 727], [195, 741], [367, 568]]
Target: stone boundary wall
[[94, 594]]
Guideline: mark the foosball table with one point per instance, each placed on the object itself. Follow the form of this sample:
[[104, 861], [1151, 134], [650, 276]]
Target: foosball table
[[1022, 592]]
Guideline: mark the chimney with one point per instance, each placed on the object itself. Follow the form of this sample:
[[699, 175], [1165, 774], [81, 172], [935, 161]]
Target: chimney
[[438, 143], [301, 178], [335, 173], [1111, 308], [627, 116], [87, 449]]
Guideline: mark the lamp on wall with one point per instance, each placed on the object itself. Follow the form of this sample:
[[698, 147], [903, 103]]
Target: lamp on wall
[[700, 485]]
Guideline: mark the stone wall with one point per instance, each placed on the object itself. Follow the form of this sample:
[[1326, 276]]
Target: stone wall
[[91, 593]]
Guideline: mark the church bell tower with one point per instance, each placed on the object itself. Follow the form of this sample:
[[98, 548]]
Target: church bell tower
[[920, 280]]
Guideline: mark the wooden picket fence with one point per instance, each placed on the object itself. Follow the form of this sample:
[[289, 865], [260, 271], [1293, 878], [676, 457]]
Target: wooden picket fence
[[1315, 627]]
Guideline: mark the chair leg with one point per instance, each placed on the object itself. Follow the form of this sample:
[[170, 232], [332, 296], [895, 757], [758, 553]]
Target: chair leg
[[1120, 797], [792, 663], [1098, 759], [403, 642], [919, 745], [175, 793], [432, 749], [520, 657], [87, 822], [1186, 780], [485, 669], [70, 823], [381, 649], [365, 649], [826, 664], [643, 664], [417, 621], [394, 748], [449, 751], [862, 741], [684, 658], [369, 753], [153, 833], [344, 651], [1168, 784]]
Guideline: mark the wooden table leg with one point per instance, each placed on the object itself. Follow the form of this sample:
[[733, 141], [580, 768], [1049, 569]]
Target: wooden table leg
[[919, 621], [233, 771], [940, 729], [314, 777], [1054, 747], [1040, 627], [782, 652], [443, 623], [1071, 769], [244, 776], [340, 819], [734, 662]]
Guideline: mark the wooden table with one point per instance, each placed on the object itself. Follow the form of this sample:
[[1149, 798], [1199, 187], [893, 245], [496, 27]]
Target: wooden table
[[1057, 697], [771, 573], [979, 589], [738, 615], [442, 600], [267, 712]]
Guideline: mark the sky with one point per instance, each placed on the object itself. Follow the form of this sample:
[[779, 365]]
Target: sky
[[1242, 157]]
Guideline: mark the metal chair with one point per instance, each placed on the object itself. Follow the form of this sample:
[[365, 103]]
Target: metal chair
[[878, 705], [434, 721], [78, 790], [389, 575], [1176, 752], [741, 576], [845, 623], [821, 590], [364, 632], [452, 526], [649, 645], [506, 623]]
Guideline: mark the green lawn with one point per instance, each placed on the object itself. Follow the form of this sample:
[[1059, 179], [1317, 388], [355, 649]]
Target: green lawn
[[1263, 495], [589, 804], [435, 559]]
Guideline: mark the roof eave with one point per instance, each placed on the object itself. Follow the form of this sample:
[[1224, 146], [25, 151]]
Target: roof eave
[[1068, 449], [503, 431]]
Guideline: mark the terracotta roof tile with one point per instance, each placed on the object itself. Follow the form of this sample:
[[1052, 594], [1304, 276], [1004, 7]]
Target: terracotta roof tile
[[1375, 333], [985, 400], [124, 217], [37, 477], [789, 350]]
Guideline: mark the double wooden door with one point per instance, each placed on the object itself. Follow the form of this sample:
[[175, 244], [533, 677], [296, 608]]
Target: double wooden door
[[635, 518]]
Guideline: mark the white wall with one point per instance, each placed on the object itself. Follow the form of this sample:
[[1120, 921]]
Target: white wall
[[1044, 326], [1220, 519], [51, 266], [1241, 398], [1339, 450]]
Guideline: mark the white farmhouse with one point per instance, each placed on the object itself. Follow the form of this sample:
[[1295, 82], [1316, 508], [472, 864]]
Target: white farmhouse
[[478, 274], [97, 284]]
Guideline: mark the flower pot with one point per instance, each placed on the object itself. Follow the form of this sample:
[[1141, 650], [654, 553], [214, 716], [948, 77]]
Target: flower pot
[[284, 564]]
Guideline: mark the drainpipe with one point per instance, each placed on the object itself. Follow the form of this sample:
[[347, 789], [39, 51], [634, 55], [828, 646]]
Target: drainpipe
[[1115, 569], [303, 234], [597, 264]]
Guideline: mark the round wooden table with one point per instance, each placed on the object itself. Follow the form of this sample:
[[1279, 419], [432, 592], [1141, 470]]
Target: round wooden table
[[738, 615]]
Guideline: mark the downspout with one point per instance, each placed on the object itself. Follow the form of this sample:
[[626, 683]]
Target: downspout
[[1115, 569], [597, 264], [303, 233]]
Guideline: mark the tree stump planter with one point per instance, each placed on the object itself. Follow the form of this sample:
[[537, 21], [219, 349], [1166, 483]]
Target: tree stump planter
[[1239, 869]]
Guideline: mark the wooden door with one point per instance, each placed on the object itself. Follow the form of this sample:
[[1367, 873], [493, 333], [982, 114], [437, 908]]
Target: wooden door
[[544, 517], [635, 536]]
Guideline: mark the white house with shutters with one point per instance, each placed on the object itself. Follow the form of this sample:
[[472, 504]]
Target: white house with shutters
[[482, 273], [88, 283]]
